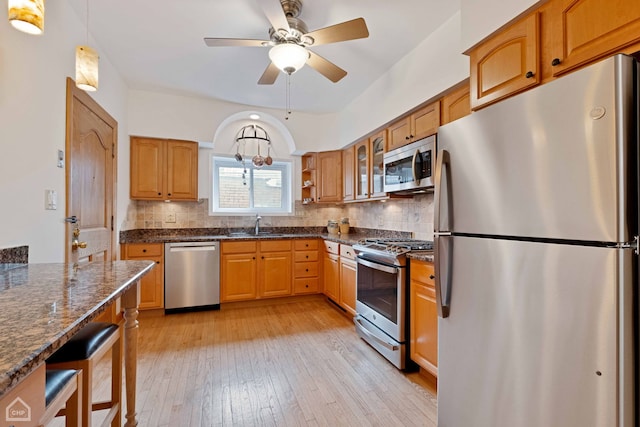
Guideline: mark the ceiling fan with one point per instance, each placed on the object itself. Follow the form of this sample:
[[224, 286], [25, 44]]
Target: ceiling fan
[[289, 39]]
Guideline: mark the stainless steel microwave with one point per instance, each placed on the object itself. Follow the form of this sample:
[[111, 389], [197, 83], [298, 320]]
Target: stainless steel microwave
[[409, 169]]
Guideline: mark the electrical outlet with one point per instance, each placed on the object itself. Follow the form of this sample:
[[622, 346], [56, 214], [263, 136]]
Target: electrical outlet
[[380, 221], [171, 217]]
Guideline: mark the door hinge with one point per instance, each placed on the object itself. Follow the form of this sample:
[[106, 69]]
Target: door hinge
[[112, 222], [113, 150], [630, 245]]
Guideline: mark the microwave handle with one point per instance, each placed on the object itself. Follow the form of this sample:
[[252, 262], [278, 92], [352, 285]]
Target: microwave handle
[[416, 157]]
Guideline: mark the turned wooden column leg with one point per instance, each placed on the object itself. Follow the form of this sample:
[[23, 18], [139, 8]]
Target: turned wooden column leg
[[130, 302]]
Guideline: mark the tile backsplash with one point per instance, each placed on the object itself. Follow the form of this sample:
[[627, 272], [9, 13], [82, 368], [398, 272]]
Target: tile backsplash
[[411, 214]]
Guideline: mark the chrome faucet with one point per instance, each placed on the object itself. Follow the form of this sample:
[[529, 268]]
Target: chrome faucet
[[258, 218]]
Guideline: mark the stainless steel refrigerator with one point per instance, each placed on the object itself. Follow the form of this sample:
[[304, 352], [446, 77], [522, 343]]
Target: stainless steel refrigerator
[[536, 225]]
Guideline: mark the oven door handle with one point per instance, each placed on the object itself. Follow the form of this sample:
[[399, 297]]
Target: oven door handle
[[377, 266], [362, 329]]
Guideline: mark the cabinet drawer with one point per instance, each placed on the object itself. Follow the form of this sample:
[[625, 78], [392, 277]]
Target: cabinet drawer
[[332, 247], [306, 256], [275, 245], [346, 251], [306, 269], [239, 247], [141, 250], [422, 272], [303, 245], [309, 285]]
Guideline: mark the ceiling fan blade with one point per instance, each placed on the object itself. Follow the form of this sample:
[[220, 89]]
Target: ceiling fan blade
[[270, 75], [274, 13], [349, 30], [325, 67], [215, 42]]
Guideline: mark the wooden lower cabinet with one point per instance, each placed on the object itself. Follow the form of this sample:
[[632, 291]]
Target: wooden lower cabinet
[[307, 267], [423, 323], [348, 285], [331, 275], [255, 269], [152, 284]]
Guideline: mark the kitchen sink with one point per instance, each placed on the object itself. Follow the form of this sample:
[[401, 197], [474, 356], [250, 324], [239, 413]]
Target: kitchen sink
[[248, 234]]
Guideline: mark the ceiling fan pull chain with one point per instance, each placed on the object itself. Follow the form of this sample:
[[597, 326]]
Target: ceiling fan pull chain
[[288, 94]]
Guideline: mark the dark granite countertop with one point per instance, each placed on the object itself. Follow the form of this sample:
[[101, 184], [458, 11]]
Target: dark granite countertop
[[43, 305], [165, 235]]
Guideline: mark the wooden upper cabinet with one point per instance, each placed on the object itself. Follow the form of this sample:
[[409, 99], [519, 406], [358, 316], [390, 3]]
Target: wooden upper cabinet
[[163, 169], [506, 63], [418, 125], [587, 30], [329, 176], [348, 174], [456, 104], [378, 146], [362, 169]]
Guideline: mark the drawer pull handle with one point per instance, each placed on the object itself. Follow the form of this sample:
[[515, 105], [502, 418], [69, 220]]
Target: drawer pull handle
[[432, 277], [144, 250], [307, 257], [529, 74], [157, 262]]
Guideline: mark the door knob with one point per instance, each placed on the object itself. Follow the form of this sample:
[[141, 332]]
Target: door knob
[[75, 244]]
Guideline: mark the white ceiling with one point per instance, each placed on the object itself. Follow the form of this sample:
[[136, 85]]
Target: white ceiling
[[158, 45]]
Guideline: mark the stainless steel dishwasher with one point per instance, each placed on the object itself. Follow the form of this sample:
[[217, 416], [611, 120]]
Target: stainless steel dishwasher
[[191, 276]]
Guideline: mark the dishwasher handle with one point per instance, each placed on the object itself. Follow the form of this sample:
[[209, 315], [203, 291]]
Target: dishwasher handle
[[193, 247]]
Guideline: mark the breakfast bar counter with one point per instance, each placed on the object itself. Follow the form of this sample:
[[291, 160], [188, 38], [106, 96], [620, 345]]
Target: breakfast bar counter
[[43, 305]]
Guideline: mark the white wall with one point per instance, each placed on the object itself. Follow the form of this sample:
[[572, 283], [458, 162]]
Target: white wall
[[33, 72], [433, 66], [480, 18]]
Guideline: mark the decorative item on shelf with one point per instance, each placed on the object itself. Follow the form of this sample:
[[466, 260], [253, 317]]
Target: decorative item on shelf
[[332, 227], [27, 15], [87, 60], [344, 226], [255, 133], [308, 183]]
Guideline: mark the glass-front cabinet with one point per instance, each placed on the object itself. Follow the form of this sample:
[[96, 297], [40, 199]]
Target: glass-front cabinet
[[378, 144], [362, 169]]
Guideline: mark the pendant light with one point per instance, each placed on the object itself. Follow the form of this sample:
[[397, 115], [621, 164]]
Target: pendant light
[[87, 63], [27, 15]]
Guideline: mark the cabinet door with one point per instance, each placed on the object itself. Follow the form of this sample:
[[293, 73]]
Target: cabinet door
[[378, 144], [182, 170], [456, 104], [152, 284], [348, 285], [348, 174], [238, 277], [399, 132], [330, 179], [362, 169], [332, 277], [146, 168], [587, 30], [425, 121], [423, 323], [275, 274], [506, 63]]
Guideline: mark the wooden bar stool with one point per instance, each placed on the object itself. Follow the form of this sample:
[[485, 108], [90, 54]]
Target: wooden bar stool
[[63, 393], [83, 351]]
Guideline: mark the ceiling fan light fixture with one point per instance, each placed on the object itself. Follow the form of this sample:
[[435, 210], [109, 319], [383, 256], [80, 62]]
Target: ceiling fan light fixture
[[27, 15], [288, 57]]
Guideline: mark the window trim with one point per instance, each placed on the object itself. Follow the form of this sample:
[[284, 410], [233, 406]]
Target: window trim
[[218, 160]]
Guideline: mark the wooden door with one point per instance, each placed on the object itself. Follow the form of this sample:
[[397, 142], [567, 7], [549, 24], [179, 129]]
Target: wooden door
[[91, 140], [330, 179], [182, 170], [587, 30], [275, 274], [331, 272], [506, 63], [456, 104], [425, 121], [348, 174], [399, 133], [348, 285], [147, 171], [238, 274]]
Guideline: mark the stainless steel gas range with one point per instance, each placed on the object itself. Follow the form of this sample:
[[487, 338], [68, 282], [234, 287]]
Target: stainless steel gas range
[[382, 295]]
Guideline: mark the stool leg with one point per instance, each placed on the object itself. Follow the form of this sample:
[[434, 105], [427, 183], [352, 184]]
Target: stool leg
[[87, 395], [73, 413], [116, 379]]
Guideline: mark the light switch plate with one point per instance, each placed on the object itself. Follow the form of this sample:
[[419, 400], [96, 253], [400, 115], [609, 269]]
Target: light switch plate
[[50, 200]]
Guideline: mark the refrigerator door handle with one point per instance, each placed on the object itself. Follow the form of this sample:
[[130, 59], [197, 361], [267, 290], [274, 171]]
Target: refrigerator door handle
[[443, 244]]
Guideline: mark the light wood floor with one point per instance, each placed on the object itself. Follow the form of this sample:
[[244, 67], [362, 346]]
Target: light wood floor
[[281, 363]]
